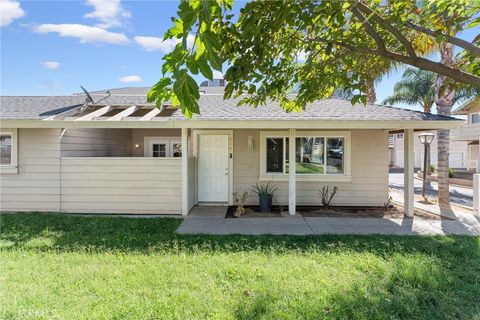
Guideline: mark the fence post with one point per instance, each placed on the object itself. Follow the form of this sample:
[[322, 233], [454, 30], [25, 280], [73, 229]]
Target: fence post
[[476, 194]]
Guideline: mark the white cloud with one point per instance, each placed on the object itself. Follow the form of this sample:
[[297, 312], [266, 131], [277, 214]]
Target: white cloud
[[52, 65], [130, 79], [86, 34], [156, 43], [110, 13], [9, 11]]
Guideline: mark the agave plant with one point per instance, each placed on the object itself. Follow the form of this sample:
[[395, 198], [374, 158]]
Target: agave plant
[[264, 190]]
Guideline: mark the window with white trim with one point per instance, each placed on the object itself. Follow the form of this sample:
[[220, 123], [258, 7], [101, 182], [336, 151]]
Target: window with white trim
[[8, 151], [316, 155], [160, 147]]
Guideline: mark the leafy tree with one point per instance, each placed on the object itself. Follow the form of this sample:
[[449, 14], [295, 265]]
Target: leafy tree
[[416, 87], [344, 43]]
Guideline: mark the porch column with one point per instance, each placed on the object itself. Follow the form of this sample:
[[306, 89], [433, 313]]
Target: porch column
[[292, 193], [408, 167], [476, 194], [185, 207]]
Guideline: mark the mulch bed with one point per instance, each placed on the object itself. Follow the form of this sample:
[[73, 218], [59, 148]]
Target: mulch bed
[[393, 212], [252, 212]]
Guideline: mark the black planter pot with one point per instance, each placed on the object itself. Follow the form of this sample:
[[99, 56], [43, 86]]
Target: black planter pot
[[265, 204]]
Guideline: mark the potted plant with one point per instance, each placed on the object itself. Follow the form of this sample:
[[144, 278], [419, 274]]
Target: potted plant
[[265, 196]]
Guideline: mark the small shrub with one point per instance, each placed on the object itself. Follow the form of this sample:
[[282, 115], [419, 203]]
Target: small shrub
[[279, 205], [264, 190], [239, 201], [432, 168], [327, 196], [388, 203], [451, 173]]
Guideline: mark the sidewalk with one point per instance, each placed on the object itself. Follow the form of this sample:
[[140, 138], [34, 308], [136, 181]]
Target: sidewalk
[[216, 224]]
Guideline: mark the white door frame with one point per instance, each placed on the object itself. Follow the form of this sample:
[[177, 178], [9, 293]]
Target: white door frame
[[229, 133]]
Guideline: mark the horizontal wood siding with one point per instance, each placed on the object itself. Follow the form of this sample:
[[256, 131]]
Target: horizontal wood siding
[[96, 143], [36, 186], [369, 161], [121, 185]]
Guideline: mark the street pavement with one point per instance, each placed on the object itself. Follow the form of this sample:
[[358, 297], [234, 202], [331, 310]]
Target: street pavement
[[458, 195]]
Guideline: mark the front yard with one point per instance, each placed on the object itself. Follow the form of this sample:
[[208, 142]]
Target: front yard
[[72, 267]]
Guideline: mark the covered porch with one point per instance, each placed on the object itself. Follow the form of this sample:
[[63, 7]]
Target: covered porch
[[242, 156]]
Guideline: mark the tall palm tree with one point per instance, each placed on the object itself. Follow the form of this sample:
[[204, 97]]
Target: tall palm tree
[[416, 87]]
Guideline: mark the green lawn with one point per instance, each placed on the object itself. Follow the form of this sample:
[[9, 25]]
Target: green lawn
[[72, 267]]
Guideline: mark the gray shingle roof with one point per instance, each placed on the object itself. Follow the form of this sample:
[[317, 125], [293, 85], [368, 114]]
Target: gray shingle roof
[[212, 107], [39, 107]]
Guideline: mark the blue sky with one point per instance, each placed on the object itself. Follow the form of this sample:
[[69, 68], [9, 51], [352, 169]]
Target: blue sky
[[53, 47]]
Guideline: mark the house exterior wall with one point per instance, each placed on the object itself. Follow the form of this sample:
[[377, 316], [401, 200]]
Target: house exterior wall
[[369, 170], [456, 148], [88, 183], [96, 143], [138, 137], [36, 186], [121, 185]]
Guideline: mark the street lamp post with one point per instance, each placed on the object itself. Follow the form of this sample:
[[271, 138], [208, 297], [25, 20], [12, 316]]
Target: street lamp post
[[426, 139]]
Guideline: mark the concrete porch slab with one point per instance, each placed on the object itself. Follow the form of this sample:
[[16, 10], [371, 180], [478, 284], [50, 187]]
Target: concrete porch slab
[[327, 225], [205, 212]]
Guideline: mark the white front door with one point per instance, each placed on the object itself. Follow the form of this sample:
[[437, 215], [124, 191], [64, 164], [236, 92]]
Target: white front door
[[213, 168]]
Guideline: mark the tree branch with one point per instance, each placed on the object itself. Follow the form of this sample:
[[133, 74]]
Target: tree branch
[[397, 33], [453, 40], [419, 62], [370, 29]]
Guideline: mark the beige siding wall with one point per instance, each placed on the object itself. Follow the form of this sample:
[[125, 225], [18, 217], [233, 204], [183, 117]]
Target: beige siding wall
[[138, 136], [96, 143], [121, 185], [36, 187], [369, 164]]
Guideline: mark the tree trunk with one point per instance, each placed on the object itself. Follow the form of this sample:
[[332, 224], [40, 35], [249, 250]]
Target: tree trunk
[[444, 98], [371, 95]]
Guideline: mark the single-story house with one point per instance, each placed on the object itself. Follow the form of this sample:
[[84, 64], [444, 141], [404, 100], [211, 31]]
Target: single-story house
[[469, 133], [124, 155]]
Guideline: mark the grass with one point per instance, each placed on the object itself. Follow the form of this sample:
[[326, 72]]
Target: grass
[[307, 168], [73, 267]]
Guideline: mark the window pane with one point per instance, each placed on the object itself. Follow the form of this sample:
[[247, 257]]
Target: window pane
[[309, 155], [275, 155], [335, 155], [177, 150], [475, 118], [5, 149], [159, 150]]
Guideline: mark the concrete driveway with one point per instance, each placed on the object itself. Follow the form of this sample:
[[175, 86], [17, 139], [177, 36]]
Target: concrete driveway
[[458, 195]]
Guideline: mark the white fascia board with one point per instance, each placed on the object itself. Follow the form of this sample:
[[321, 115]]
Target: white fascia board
[[329, 124], [237, 124], [85, 124]]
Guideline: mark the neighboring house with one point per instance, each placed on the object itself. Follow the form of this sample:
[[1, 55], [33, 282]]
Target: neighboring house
[[458, 158], [123, 155], [470, 132]]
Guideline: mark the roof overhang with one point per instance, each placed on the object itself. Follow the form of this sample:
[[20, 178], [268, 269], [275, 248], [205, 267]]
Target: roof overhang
[[236, 124], [464, 108]]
